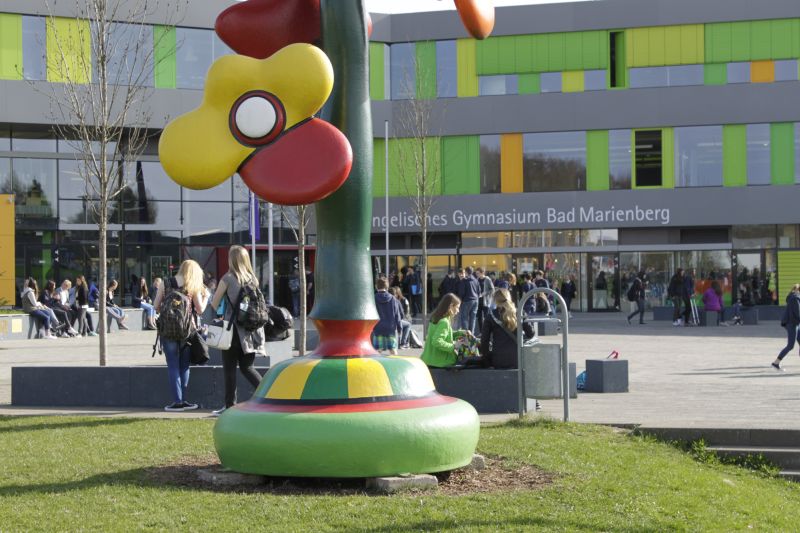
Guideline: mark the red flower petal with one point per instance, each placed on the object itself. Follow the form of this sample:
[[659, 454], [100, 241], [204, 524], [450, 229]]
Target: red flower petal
[[305, 165], [259, 28]]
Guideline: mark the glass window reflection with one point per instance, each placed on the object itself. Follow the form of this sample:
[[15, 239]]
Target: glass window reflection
[[620, 161], [220, 48], [554, 161], [33, 141], [161, 215], [739, 72], [550, 82], [786, 70], [84, 212], [220, 193], [130, 62], [527, 239], [490, 164], [486, 239], [566, 237], [446, 73], [403, 71], [648, 77], [33, 48], [698, 156], [5, 176], [202, 219], [594, 80], [34, 184], [758, 154], [5, 139], [147, 180], [193, 57]]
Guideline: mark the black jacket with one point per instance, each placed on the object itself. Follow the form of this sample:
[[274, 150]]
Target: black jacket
[[791, 316], [498, 345], [469, 289]]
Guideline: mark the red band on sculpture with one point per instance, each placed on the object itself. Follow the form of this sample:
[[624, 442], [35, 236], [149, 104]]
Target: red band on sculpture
[[345, 338], [428, 401]]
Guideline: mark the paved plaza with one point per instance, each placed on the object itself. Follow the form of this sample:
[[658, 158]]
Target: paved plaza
[[679, 377]]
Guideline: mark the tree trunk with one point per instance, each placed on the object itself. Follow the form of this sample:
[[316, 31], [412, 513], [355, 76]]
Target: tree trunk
[[424, 277], [301, 265], [103, 273]]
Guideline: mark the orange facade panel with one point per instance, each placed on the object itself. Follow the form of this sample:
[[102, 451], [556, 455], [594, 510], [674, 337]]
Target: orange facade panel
[[762, 71], [511, 162]]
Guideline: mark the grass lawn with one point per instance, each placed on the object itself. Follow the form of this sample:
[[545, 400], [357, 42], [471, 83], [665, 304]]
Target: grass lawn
[[91, 474]]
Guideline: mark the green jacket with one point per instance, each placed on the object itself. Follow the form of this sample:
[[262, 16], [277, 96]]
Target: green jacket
[[439, 349]]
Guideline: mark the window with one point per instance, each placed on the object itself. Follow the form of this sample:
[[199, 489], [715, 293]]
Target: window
[[131, 55], [162, 215], [241, 193], [82, 212], [33, 141], [34, 52], [5, 139], [490, 164], [786, 70], [220, 193], [565, 237], [220, 48], [207, 218], [648, 77], [787, 236], [594, 80], [599, 237], [648, 158], [148, 181], [698, 156], [70, 182], [487, 239], [34, 184], [620, 166], [682, 75], [550, 82], [495, 85], [193, 57], [758, 154], [403, 71], [738, 72], [554, 161], [446, 72], [616, 60], [5, 176], [753, 237], [527, 239]]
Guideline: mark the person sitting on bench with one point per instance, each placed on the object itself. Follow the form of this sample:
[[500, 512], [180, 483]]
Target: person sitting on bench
[[499, 334], [38, 311]]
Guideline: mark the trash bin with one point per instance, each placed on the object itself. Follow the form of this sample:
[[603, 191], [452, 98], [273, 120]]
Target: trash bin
[[542, 374]]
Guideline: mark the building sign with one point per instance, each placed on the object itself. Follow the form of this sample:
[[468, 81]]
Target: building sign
[[594, 210], [7, 252]]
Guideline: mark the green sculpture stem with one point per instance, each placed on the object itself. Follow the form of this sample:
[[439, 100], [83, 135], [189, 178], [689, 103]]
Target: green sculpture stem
[[343, 284]]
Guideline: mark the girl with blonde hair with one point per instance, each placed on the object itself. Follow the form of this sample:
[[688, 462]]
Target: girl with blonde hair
[[499, 334], [189, 281], [245, 344]]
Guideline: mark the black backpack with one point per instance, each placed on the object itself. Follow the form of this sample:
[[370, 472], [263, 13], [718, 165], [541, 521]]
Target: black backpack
[[633, 293], [251, 308], [280, 322], [175, 321]]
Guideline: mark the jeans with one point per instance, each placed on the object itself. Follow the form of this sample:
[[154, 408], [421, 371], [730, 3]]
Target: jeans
[[148, 309], [468, 315], [639, 311], [792, 333], [44, 317], [178, 360], [405, 333], [296, 304], [230, 358]]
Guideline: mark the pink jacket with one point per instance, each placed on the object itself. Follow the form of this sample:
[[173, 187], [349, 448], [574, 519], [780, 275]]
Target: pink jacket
[[711, 301]]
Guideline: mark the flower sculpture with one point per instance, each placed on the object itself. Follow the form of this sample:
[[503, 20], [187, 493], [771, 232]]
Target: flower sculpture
[[255, 118], [344, 410]]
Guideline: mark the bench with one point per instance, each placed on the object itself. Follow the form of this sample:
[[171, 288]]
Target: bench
[[33, 322], [117, 386]]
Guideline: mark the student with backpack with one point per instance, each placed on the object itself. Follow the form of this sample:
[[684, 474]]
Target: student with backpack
[[636, 294], [499, 333], [180, 301], [246, 309]]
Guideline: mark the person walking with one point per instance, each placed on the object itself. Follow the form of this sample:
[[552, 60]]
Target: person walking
[[675, 293], [499, 334], [568, 291], [469, 291], [790, 321], [390, 313], [189, 282], [294, 288], [440, 349], [637, 291], [413, 290], [245, 345], [485, 301], [449, 284]]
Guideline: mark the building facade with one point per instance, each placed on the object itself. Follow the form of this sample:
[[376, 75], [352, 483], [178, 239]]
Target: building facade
[[586, 139]]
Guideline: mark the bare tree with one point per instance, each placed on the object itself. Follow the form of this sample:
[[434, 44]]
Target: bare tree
[[298, 218], [419, 161], [102, 80]]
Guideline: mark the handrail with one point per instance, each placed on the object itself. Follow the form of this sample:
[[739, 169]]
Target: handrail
[[564, 346]]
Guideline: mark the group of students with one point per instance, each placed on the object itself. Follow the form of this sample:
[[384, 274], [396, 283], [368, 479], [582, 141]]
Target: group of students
[[58, 310], [393, 329]]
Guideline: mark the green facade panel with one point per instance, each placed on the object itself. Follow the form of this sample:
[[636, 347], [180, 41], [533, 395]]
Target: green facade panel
[[752, 40], [529, 83], [716, 74], [164, 46], [402, 165], [523, 53], [377, 72], [466, 56], [461, 165], [506, 55], [782, 153], [10, 46], [734, 155], [426, 69], [597, 170], [549, 52]]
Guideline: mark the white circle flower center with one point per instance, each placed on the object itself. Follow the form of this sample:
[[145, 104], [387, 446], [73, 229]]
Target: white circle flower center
[[255, 117]]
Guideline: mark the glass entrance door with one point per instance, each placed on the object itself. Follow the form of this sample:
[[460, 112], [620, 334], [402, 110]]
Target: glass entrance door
[[603, 282]]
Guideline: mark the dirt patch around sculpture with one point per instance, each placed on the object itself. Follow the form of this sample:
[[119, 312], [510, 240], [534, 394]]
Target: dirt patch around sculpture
[[500, 474]]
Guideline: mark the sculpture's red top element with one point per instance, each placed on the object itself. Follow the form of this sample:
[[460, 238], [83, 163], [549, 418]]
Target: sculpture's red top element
[[259, 28]]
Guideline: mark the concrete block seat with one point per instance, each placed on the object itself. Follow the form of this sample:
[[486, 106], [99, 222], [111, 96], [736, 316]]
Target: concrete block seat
[[117, 386]]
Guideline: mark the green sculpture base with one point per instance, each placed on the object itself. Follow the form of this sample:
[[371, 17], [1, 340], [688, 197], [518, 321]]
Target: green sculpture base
[[348, 444]]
